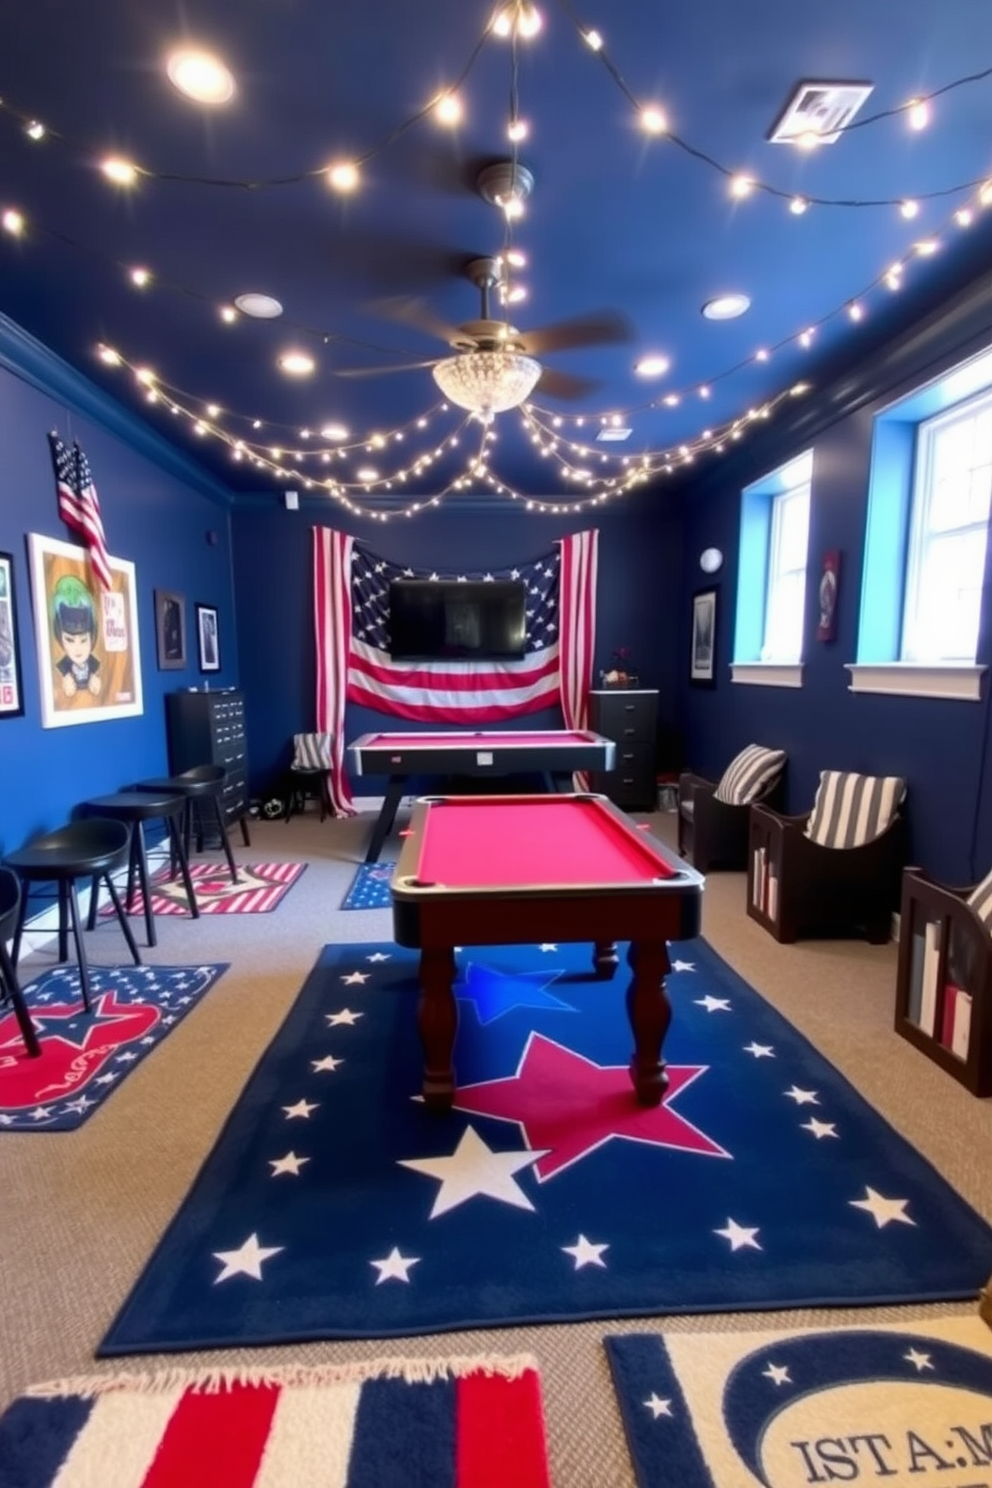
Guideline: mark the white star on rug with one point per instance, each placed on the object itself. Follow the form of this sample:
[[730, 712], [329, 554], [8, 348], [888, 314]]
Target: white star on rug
[[247, 1260], [344, 1016], [778, 1374], [657, 1406], [395, 1267], [80, 1105], [356, 978], [918, 1360], [327, 1063], [803, 1097], [41, 1113], [547, 946], [883, 1211], [378, 956], [472, 1169], [739, 1235], [819, 1128], [760, 1051], [302, 1110], [683, 965], [714, 1004], [586, 1253], [288, 1164]]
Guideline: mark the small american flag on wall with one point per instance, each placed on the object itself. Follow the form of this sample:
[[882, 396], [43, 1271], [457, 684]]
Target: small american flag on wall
[[79, 504]]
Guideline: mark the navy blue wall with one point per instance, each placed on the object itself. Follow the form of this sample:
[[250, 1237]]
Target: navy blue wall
[[940, 747], [154, 519], [638, 593]]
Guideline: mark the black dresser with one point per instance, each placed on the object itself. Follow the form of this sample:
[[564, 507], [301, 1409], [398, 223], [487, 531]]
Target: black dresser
[[628, 716], [208, 728]]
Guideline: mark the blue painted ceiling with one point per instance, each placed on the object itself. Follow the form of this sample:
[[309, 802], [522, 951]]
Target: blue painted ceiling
[[234, 198]]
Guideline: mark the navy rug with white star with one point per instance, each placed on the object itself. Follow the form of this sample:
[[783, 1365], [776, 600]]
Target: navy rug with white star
[[334, 1204], [85, 1055]]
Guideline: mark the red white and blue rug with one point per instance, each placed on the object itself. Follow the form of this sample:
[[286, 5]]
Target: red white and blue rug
[[895, 1404], [387, 1423], [260, 887], [334, 1204], [369, 889], [84, 1056]]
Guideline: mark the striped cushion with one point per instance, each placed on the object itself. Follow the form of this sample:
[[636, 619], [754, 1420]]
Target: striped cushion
[[980, 900], [312, 751], [748, 775], [851, 810]]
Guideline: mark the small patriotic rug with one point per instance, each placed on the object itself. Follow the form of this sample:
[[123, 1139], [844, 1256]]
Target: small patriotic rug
[[899, 1403], [394, 1423], [260, 888], [84, 1055], [335, 1204], [369, 888]]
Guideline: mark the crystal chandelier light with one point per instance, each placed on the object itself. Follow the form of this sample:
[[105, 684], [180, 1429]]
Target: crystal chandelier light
[[487, 382]]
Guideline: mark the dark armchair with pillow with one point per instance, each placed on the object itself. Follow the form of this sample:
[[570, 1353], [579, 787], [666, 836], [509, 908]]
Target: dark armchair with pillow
[[713, 815], [835, 870]]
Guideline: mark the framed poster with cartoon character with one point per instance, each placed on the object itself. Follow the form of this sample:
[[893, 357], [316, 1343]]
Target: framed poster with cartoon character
[[89, 659]]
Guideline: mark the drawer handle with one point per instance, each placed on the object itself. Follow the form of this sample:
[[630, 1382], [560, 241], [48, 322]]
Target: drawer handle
[[629, 707], [630, 731]]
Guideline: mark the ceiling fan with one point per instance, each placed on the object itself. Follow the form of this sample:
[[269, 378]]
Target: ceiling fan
[[495, 365]]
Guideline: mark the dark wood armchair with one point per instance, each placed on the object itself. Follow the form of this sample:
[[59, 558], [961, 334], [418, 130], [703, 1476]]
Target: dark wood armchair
[[944, 980], [712, 833], [799, 887]]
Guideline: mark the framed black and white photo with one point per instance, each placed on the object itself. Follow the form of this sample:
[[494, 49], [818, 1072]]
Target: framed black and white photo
[[170, 630], [11, 693], [702, 660], [208, 638]]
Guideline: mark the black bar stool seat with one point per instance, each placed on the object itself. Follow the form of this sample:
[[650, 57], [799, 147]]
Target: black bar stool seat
[[136, 807], [202, 788], [94, 847], [10, 903]]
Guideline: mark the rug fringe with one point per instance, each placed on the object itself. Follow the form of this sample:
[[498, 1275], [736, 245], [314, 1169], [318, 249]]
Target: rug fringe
[[214, 1381]]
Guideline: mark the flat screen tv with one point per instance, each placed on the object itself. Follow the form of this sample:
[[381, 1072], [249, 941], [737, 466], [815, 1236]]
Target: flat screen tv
[[444, 620]]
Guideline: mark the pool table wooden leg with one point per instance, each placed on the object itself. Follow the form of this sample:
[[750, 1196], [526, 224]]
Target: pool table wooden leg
[[650, 1013], [605, 959], [437, 1018]]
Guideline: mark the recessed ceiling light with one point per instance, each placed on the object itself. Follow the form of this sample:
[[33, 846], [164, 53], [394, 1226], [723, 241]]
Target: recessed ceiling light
[[297, 363], [334, 431], [613, 435], [652, 366], [262, 306], [726, 307], [200, 76], [368, 473]]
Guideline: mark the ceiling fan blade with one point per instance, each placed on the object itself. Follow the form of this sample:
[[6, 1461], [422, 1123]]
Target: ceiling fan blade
[[414, 312], [601, 328], [377, 371], [555, 384]]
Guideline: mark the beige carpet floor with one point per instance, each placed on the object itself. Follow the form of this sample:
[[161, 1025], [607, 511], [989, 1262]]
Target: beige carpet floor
[[81, 1211]]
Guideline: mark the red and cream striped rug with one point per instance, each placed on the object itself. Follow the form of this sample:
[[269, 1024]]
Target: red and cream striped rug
[[260, 888]]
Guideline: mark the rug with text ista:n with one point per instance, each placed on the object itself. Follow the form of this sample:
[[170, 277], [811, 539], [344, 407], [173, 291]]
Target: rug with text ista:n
[[335, 1204]]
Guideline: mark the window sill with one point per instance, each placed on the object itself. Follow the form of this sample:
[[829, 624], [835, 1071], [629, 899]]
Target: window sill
[[959, 682], [767, 673]]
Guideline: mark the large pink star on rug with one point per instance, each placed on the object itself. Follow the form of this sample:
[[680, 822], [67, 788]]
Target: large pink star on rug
[[570, 1105]]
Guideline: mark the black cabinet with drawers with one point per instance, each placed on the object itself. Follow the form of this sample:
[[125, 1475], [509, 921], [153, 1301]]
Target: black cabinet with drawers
[[628, 716], [208, 728]]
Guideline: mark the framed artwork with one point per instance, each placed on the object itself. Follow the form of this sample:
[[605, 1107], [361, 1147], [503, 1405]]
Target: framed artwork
[[208, 638], [702, 658], [826, 630], [170, 630], [87, 640], [11, 694]]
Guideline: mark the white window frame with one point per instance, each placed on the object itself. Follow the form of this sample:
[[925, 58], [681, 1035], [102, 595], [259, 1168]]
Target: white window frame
[[921, 507], [777, 573]]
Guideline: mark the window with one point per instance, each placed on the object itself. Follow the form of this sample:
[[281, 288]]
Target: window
[[771, 591], [948, 527]]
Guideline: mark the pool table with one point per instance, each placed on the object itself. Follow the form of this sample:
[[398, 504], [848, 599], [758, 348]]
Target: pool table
[[553, 753], [508, 870]]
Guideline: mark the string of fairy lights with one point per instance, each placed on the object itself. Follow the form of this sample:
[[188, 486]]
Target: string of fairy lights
[[286, 451]]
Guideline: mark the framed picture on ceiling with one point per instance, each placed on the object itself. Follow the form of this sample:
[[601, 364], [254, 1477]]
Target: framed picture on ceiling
[[208, 638], [86, 637], [11, 694], [170, 630], [702, 656]]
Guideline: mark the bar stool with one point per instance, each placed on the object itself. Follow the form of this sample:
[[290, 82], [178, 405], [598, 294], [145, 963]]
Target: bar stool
[[136, 807], [10, 903], [202, 788], [93, 847]]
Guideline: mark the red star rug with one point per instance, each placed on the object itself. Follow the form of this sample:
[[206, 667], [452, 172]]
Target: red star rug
[[84, 1056], [335, 1204], [259, 889]]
